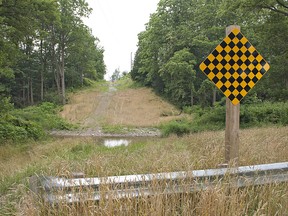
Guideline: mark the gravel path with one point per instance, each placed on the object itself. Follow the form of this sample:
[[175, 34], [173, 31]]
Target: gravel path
[[139, 132]]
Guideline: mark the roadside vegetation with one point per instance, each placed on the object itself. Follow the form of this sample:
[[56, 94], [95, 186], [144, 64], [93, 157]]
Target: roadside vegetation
[[179, 36], [30, 123], [203, 150], [260, 114], [56, 60], [194, 141]]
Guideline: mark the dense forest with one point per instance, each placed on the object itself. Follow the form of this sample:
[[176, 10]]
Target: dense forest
[[45, 48], [181, 33]]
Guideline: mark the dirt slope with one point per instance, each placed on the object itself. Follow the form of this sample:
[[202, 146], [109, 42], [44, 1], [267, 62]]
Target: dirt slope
[[138, 107]]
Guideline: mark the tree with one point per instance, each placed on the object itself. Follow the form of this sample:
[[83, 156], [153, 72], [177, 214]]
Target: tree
[[20, 25], [116, 75], [178, 75], [71, 13], [85, 58], [41, 42], [198, 26]]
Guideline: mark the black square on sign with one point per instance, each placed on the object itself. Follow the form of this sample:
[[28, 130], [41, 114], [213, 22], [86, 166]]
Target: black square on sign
[[207, 62], [223, 44], [232, 44], [215, 53], [247, 45], [223, 88], [231, 36], [223, 53], [255, 54], [239, 36], [215, 62]]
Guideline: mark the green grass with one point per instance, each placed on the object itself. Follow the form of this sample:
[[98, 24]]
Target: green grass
[[116, 129], [125, 83], [101, 85]]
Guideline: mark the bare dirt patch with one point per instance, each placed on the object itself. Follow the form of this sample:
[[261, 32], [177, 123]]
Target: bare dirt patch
[[138, 107], [81, 105]]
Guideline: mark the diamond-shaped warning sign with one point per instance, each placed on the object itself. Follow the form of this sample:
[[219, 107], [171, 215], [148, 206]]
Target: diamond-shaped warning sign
[[234, 66]]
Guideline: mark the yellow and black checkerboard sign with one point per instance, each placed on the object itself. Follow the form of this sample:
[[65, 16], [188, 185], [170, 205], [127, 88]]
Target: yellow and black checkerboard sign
[[234, 66]]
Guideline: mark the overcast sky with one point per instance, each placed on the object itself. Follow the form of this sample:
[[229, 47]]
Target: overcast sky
[[117, 23]]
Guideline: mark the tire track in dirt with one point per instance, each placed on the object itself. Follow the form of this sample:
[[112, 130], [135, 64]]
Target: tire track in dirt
[[138, 111], [95, 118]]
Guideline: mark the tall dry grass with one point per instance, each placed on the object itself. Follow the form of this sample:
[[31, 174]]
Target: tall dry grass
[[219, 200], [146, 155]]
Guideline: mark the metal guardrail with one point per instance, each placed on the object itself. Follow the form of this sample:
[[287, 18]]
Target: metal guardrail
[[55, 189]]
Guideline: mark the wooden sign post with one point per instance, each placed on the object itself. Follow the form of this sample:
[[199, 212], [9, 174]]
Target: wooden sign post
[[235, 67], [232, 124]]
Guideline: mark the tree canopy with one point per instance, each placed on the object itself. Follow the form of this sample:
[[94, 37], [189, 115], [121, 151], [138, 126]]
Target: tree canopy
[[181, 33], [45, 47]]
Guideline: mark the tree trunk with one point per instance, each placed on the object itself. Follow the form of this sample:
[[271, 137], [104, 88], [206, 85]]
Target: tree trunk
[[62, 72], [192, 98], [23, 94], [214, 97], [31, 92], [28, 92], [55, 69], [42, 71]]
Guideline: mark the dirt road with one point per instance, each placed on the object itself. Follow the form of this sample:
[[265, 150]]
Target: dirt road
[[138, 110]]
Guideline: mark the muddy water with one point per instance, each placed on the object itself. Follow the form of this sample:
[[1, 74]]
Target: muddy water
[[110, 143]]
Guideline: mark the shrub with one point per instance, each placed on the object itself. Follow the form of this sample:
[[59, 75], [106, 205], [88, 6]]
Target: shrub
[[31, 122], [5, 105], [45, 115], [251, 115], [256, 114], [17, 129], [264, 113], [177, 127]]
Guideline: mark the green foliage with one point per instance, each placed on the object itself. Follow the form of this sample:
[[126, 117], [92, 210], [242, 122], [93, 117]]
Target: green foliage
[[178, 127], [211, 116], [5, 106], [264, 113], [52, 97], [179, 28], [251, 115], [31, 122], [126, 82], [18, 129], [14, 128], [44, 115], [178, 74], [88, 82], [80, 151], [41, 41]]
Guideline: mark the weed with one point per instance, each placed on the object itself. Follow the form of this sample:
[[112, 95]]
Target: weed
[[115, 129]]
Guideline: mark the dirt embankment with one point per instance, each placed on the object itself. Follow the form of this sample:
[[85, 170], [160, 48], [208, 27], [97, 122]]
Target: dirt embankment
[[136, 108]]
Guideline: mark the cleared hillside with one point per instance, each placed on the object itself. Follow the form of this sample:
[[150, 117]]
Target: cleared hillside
[[136, 107]]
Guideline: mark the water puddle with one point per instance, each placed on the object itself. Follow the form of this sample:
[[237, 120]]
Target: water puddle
[[110, 143]]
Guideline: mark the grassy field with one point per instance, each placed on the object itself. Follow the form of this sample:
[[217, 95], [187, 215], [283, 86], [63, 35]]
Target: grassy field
[[204, 150]]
